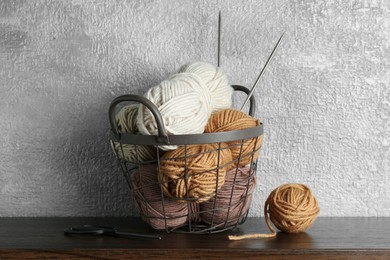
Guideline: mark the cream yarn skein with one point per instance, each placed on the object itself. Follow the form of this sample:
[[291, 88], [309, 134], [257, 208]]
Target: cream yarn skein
[[126, 122], [221, 91], [125, 119], [184, 103]]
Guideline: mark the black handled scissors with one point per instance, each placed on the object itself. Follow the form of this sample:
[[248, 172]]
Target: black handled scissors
[[103, 230]]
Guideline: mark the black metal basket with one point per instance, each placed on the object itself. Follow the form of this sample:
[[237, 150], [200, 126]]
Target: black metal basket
[[191, 214]]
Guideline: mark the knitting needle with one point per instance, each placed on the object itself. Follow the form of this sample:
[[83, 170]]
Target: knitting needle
[[262, 71], [219, 40]]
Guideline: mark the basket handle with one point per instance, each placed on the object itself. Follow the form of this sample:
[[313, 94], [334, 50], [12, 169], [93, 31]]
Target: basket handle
[[252, 103], [162, 136]]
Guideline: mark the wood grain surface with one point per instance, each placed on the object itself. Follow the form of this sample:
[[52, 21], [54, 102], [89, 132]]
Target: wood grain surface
[[329, 238]]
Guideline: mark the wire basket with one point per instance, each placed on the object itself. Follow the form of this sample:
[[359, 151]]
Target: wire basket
[[223, 197]]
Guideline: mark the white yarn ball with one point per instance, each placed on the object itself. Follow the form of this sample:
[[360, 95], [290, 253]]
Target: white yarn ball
[[126, 122], [221, 91], [126, 119], [184, 103]]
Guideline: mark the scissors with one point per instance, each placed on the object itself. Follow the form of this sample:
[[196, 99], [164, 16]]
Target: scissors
[[104, 230]]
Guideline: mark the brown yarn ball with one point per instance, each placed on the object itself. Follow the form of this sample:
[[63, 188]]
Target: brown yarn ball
[[193, 172], [126, 122], [230, 120], [292, 208], [232, 201], [158, 211]]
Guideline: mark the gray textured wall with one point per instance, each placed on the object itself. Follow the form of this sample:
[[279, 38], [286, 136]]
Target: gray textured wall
[[325, 100]]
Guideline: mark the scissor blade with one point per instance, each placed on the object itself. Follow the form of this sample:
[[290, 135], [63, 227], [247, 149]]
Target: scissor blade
[[82, 231], [131, 235]]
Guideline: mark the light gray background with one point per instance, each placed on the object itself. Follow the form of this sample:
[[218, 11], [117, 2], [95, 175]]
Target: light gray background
[[325, 100]]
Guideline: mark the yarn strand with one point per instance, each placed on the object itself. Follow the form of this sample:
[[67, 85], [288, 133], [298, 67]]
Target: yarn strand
[[262, 235]]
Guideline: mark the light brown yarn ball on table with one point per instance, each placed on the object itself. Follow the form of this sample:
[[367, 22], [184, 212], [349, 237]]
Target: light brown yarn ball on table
[[192, 171], [292, 208], [126, 122], [229, 120]]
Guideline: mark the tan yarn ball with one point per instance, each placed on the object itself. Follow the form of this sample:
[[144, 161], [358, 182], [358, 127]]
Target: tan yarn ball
[[126, 122], [230, 120], [192, 171], [292, 208]]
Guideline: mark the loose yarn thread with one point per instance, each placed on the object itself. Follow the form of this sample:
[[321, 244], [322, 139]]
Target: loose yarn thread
[[229, 120], [195, 171], [126, 122], [184, 103], [232, 201], [221, 91], [292, 208]]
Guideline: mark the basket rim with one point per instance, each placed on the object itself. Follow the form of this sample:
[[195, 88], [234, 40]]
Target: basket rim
[[163, 136], [187, 139]]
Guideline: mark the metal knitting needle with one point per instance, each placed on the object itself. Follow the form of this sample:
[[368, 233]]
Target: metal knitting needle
[[262, 71], [219, 40]]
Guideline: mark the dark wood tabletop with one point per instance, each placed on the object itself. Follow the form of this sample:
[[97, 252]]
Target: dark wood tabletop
[[328, 238]]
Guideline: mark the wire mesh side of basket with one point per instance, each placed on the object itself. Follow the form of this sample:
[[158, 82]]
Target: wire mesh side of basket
[[225, 207], [169, 203]]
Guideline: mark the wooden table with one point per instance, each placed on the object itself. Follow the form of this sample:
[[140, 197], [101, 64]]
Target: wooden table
[[329, 238]]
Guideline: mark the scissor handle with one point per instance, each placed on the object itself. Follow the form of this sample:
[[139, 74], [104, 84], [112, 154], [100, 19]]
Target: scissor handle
[[83, 231], [90, 229]]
